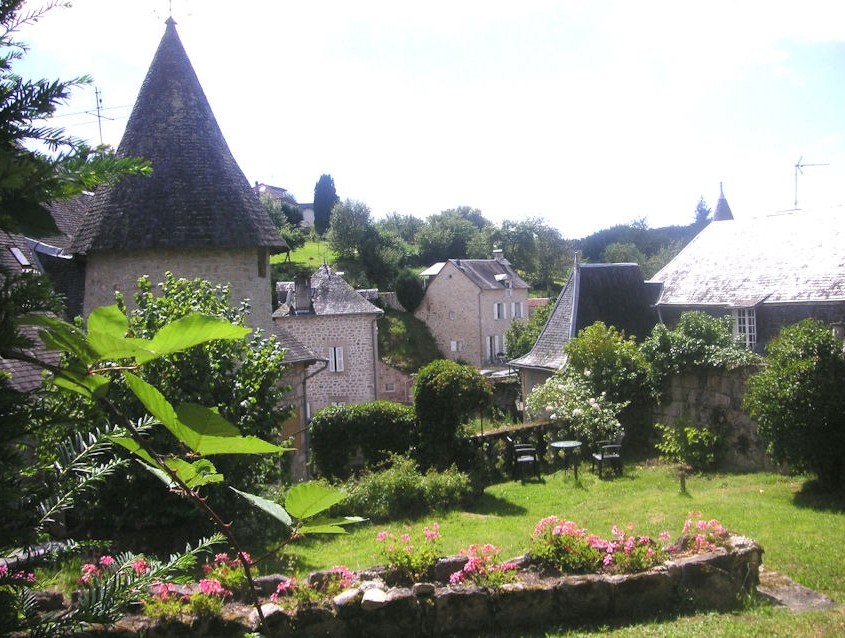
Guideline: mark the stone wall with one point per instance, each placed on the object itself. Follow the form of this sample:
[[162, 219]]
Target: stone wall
[[713, 398], [716, 581], [394, 385], [246, 270]]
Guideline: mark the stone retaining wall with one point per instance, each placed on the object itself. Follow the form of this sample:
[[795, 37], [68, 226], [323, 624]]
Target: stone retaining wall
[[714, 581]]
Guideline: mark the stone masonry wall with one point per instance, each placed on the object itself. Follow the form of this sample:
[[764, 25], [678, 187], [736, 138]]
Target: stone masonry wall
[[106, 273], [355, 334], [393, 384], [714, 399]]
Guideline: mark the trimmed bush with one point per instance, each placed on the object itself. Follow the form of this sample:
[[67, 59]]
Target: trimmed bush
[[376, 429]]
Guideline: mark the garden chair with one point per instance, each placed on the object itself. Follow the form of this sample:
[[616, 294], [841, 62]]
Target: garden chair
[[525, 458], [609, 452]]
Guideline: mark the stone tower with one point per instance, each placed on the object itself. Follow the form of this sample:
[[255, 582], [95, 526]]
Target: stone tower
[[195, 215]]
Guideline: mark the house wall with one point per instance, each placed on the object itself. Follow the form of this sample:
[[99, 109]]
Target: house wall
[[246, 270], [389, 377], [530, 379], [455, 309], [770, 317], [356, 335]]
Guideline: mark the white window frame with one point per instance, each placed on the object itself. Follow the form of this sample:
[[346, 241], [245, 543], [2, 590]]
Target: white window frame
[[456, 346], [745, 326], [493, 347], [390, 387], [499, 310], [516, 310], [336, 359], [451, 315]]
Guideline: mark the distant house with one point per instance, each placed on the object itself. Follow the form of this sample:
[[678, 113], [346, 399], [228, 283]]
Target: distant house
[[469, 305], [766, 272], [332, 320], [612, 293]]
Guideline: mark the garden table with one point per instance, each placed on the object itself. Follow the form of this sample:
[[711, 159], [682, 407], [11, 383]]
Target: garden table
[[568, 450]]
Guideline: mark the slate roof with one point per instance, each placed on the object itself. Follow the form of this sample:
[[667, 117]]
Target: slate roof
[[330, 295], [295, 350], [196, 196], [26, 377], [723, 210], [794, 257], [482, 272], [612, 293]]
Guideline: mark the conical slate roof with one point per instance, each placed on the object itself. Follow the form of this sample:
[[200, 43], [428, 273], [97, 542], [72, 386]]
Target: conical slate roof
[[197, 196], [723, 211]]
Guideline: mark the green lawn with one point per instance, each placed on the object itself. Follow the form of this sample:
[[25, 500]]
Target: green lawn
[[311, 254], [801, 541]]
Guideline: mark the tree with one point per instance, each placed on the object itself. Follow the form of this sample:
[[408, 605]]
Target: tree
[[522, 334], [286, 217], [702, 212], [349, 228], [447, 235], [554, 257], [797, 401], [517, 239], [446, 395], [325, 198], [31, 179], [409, 289], [405, 227]]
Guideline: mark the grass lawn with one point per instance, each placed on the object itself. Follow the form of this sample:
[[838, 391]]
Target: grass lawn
[[802, 538], [312, 254]]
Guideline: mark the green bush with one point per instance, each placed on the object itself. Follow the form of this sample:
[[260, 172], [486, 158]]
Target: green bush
[[797, 401], [376, 429], [402, 491], [409, 289], [695, 446]]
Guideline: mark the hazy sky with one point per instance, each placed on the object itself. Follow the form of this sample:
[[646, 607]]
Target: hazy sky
[[587, 114]]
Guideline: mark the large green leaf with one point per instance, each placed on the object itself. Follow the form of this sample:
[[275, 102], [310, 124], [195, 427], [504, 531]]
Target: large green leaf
[[196, 474], [309, 499], [334, 526], [133, 446], [60, 335], [271, 507], [108, 320], [88, 385], [206, 432], [156, 404], [191, 331]]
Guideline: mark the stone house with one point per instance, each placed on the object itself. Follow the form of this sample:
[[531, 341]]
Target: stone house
[[765, 272], [469, 305], [333, 320], [612, 293]]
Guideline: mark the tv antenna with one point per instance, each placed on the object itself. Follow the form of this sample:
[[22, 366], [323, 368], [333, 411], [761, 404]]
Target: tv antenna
[[799, 165], [98, 97]]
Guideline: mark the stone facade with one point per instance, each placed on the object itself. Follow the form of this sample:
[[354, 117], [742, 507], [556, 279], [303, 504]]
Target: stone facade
[[713, 398], [463, 319], [246, 270], [355, 334], [394, 385]]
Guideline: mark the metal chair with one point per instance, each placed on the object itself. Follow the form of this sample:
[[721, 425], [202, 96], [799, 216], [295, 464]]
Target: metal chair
[[525, 457], [608, 452]]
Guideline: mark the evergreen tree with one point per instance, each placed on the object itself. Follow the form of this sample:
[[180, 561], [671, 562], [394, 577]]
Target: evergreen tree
[[325, 198]]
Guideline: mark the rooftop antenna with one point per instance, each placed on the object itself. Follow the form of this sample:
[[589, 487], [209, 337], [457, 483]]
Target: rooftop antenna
[[798, 166], [98, 98]]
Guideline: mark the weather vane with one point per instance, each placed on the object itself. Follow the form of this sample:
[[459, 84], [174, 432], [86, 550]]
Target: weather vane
[[798, 166]]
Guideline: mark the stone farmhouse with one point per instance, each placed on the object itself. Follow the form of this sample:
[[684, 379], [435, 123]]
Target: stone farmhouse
[[766, 272], [612, 293], [469, 305]]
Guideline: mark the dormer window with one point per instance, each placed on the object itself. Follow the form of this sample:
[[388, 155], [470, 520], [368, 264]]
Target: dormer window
[[745, 326]]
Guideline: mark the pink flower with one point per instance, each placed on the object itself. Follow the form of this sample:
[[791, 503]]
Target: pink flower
[[432, 533], [212, 587], [221, 558], [406, 538], [285, 588], [89, 570], [4, 569], [140, 566], [246, 558], [106, 561], [381, 536], [664, 536]]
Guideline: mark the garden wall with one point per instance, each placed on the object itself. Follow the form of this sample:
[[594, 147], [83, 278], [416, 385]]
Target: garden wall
[[713, 398], [714, 581]]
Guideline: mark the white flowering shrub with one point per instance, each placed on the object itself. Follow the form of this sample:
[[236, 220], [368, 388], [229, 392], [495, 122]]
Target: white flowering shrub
[[567, 398]]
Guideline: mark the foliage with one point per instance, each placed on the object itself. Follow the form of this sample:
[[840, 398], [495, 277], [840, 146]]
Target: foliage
[[691, 445], [239, 377], [446, 395], [630, 253], [484, 568], [648, 241], [447, 234], [562, 545], [522, 334], [405, 227], [350, 223], [402, 491], [29, 178], [796, 399], [325, 198], [568, 398], [702, 212], [286, 217], [697, 341], [376, 428], [415, 559], [404, 341], [409, 289]]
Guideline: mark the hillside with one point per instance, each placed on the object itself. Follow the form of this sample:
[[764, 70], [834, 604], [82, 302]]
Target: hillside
[[405, 342]]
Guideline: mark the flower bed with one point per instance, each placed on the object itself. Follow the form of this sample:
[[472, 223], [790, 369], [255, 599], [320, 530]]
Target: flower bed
[[415, 594]]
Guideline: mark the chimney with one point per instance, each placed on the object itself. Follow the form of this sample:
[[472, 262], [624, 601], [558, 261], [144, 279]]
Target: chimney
[[301, 295], [498, 254]]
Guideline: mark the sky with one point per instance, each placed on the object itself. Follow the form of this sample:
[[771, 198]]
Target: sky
[[585, 114]]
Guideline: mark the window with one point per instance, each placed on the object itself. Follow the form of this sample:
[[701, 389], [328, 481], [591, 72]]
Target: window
[[336, 359], [451, 315], [492, 347], [390, 387], [498, 311], [456, 346], [516, 310], [745, 326]]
